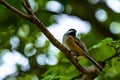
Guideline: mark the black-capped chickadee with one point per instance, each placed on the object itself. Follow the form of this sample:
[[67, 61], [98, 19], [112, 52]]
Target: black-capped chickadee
[[77, 46]]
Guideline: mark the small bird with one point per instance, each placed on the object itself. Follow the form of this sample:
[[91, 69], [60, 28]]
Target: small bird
[[77, 46]]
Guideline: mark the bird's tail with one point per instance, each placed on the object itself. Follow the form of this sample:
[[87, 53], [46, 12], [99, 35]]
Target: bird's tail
[[93, 62]]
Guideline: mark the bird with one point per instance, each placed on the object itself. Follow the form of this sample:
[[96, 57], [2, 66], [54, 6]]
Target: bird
[[71, 42]]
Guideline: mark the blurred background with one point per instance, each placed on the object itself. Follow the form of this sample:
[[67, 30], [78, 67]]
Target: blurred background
[[26, 54]]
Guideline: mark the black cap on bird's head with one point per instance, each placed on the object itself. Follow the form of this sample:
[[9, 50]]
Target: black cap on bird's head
[[71, 32]]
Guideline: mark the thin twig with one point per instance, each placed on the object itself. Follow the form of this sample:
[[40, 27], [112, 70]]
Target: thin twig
[[27, 7], [24, 5]]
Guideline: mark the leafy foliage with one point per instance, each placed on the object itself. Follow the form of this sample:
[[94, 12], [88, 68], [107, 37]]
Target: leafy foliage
[[101, 42]]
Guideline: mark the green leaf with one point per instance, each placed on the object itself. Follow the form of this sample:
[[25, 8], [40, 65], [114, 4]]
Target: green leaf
[[24, 31], [116, 63], [102, 50]]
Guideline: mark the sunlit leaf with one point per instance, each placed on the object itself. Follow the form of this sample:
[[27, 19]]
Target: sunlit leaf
[[14, 41], [29, 50], [24, 31], [102, 51]]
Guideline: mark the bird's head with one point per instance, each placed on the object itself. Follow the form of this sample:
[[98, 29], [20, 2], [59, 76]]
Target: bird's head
[[71, 32]]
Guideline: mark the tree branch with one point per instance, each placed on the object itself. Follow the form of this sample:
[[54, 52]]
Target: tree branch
[[27, 7], [33, 19]]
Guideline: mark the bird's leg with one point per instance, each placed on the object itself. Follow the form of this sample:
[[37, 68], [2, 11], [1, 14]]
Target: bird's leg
[[76, 58], [75, 55]]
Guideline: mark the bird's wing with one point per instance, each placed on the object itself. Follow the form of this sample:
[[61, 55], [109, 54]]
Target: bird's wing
[[83, 47], [81, 44]]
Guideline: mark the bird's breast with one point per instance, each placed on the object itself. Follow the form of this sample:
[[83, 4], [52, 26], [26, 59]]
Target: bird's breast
[[69, 42]]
